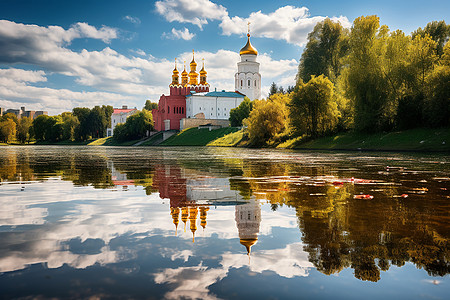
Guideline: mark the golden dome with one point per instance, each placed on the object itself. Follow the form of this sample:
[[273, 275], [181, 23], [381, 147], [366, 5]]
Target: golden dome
[[248, 48], [193, 63], [248, 243]]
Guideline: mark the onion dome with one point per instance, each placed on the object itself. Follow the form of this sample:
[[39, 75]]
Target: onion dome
[[184, 76], [193, 221], [193, 75], [203, 74], [248, 48], [203, 213], [175, 76], [248, 243], [175, 212]]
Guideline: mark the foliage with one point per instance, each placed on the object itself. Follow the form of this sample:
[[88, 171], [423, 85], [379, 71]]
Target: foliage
[[313, 109], [70, 124], [437, 100], [439, 31], [273, 89], [93, 122], [136, 126], [327, 44], [268, 120], [10, 116], [150, 105], [7, 130], [241, 112], [23, 129]]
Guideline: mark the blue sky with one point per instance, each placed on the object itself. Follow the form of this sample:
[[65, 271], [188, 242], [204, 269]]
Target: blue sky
[[56, 55]]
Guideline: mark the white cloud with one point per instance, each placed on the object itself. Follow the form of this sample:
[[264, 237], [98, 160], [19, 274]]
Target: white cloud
[[134, 20], [288, 23], [112, 77], [179, 34], [187, 11]]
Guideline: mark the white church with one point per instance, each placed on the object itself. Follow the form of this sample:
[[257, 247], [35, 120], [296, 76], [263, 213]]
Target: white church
[[191, 103]]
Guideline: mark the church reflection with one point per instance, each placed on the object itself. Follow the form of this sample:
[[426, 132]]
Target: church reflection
[[190, 198]]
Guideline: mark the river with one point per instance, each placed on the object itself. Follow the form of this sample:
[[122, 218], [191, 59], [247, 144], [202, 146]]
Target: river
[[222, 223]]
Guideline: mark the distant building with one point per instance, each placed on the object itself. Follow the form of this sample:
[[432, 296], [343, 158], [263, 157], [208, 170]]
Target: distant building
[[24, 113], [118, 116]]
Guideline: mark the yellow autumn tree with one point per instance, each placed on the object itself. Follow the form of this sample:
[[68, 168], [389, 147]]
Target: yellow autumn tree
[[268, 120]]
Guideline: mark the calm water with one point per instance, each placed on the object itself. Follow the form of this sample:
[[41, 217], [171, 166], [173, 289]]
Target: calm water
[[212, 223]]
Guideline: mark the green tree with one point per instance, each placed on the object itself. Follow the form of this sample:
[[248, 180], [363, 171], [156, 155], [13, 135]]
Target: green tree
[[366, 84], [41, 127], [437, 100], [439, 31], [238, 114], [23, 129], [150, 105], [327, 44], [70, 125], [82, 113], [268, 120], [7, 130], [135, 127], [273, 89], [313, 109]]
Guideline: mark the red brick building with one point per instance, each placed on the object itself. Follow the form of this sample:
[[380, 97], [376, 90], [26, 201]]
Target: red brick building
[[172, 108]]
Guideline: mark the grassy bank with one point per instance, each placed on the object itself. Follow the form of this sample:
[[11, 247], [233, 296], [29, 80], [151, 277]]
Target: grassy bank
[[422, 139], [109, 141], [197, 137]]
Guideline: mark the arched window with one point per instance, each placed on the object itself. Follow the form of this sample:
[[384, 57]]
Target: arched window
[[255, 83], [241, 83], [249, 83], [168, 109]]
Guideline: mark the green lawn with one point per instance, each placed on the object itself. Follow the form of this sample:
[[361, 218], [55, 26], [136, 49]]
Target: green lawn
[[197, 137], [234, 139], [109, 141], [422, 139]]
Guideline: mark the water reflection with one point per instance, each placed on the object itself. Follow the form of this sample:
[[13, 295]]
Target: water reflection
[[193, 217]]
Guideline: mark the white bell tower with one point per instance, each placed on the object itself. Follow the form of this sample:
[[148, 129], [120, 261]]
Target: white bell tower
[[247, 78]]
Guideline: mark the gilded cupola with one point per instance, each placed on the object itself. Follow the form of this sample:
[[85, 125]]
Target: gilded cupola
[[184, 76], [248, 48], [193, 75], [175, 75], [203, 74]]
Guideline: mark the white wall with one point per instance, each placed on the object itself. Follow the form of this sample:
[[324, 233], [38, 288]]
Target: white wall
[[212, 107]]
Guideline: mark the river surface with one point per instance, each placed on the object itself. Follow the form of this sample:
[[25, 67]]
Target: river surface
[[219, 223]]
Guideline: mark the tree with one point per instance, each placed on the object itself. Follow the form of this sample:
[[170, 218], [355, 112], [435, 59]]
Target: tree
[[268, 120], [150, 105], [439, 31], [135, 127], [313, 110], [437, 100], [273, 89], [23, 129], [7, 130], [40, 127], [238, 114], [365, 83], [327, 44], [82, 113], [10, 116], [70, 125]]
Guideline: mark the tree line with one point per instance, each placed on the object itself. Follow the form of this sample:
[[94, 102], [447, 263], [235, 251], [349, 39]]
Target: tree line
[[81, 124], [366, 78]]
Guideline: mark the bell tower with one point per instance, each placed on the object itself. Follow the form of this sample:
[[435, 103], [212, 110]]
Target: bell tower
[[248, 78]]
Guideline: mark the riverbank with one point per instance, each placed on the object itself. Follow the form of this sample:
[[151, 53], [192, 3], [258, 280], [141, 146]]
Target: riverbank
[[422, 139]]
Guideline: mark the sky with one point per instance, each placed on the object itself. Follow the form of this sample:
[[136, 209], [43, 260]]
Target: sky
[[56, 55]]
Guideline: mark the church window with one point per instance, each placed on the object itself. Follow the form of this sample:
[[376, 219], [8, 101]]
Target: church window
[[211, 114], [255, 83], [168, 109], [212, 108], [182, 110], [241, 83], [249, 83], [218, 114]]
